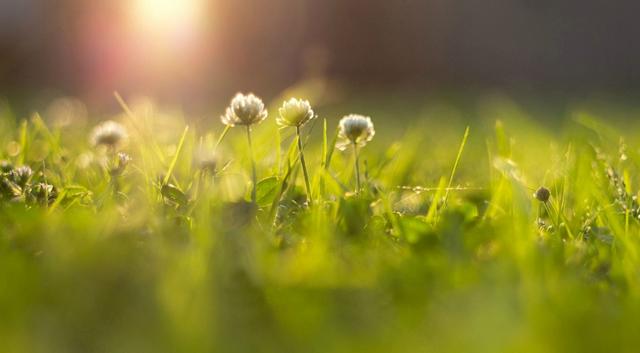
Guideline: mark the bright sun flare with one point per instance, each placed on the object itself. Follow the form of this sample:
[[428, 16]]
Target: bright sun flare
[[167, 16]]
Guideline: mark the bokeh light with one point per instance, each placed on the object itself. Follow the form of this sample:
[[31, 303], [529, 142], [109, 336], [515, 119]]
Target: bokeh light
[[167, 18]]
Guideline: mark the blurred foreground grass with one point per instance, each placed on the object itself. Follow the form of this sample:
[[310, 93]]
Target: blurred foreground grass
[[128, 263]]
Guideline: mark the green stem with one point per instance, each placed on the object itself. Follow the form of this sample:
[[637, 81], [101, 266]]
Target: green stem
[[357, 161], [253, 166], [304, 166]]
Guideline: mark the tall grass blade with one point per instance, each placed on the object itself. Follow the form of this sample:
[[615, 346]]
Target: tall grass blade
[[455, 165], [172, 166]]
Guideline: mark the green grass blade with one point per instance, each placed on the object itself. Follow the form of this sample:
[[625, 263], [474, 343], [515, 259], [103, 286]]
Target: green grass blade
[[433, 208], [455, 165], [24, 141], [222, 136], [176, 156]]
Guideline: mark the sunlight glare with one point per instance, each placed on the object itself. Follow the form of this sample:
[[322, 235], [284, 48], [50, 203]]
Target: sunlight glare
[[168, 17]]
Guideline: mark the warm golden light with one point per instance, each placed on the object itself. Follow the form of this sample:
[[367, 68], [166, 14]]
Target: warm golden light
[[168, 17]]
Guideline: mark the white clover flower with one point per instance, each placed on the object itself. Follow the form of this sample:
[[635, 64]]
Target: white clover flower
[[295, 112], [42, 193], [355, 130], [21, 175], [205, 160], [109, 133], [244, 110]]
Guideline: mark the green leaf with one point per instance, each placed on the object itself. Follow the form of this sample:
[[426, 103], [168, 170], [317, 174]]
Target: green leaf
[[267, 191], [414, 228], [172, 193]]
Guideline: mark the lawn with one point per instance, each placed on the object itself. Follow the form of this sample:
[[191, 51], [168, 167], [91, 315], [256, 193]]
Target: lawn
[[161, 241]]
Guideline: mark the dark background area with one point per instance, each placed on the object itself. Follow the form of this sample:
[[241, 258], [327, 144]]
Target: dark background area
[[85, 48]]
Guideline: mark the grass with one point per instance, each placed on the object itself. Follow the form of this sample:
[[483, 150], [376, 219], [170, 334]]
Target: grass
[[444, 250]]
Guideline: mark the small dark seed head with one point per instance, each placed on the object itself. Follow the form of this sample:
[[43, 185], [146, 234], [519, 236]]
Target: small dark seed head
[[542, 194]]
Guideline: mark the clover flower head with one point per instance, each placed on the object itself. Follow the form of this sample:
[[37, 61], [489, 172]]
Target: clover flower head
[[21, 175], [245, 110], [355, 130], [295, 112], [206, 160], [108, 133], [42, 193]]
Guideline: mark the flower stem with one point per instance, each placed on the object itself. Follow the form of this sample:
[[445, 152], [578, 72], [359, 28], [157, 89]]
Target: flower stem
[[304, 166], [357, 161], [253, 166]]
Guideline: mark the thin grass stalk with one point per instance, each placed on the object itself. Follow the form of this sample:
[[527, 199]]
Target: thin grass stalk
[[304, 166], [222, 135], [254, 177], [357, 166]]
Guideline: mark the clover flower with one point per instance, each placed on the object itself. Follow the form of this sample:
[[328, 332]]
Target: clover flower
[[355, 130], [206, 160], [108, 133], [244, 110], [21, 175], [42, 193], [295, 112]]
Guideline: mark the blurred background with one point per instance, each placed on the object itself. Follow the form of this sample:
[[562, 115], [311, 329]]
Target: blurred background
[[197, 53]]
